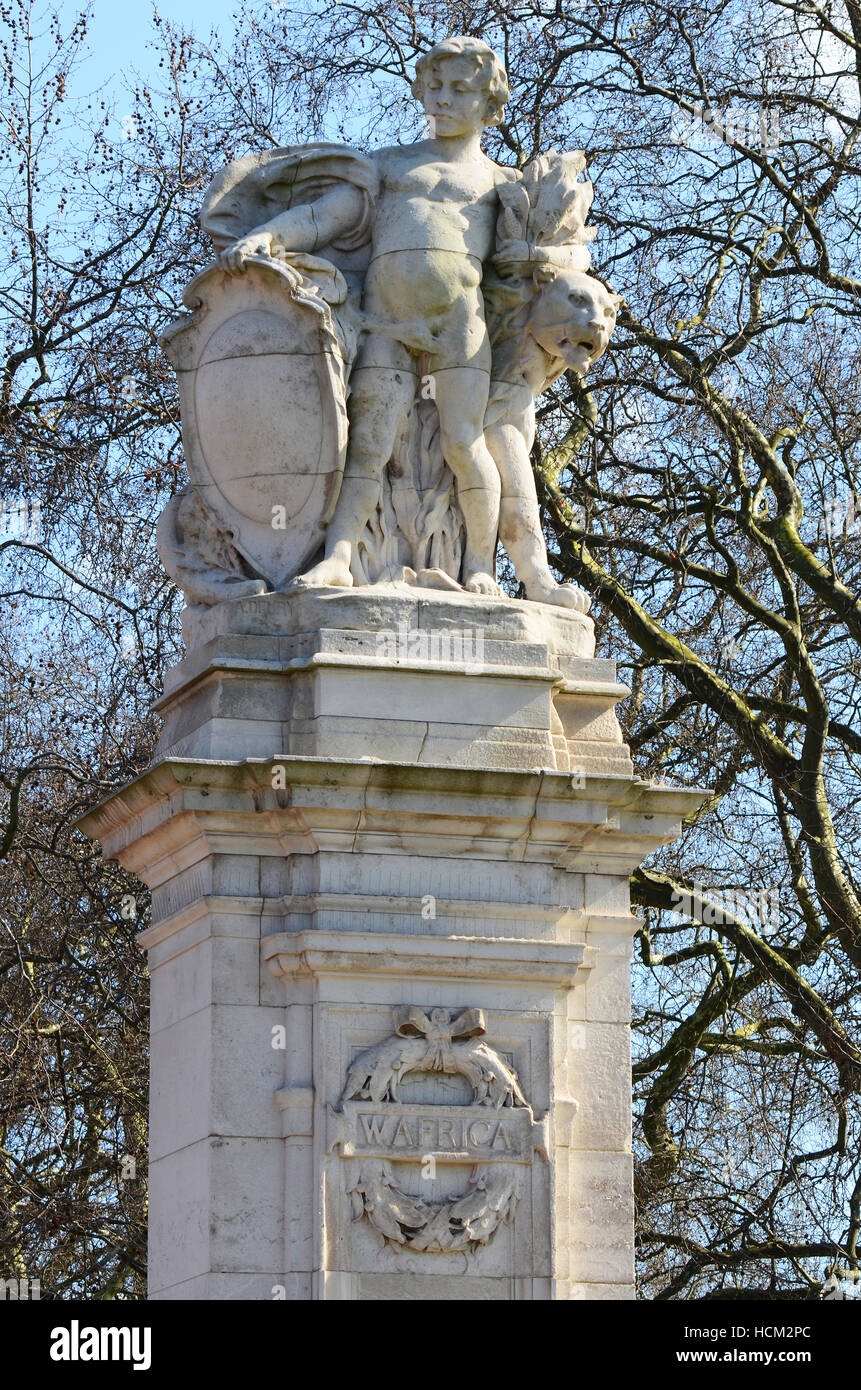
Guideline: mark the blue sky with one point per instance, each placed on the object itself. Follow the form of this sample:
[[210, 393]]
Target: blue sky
[[119, 32]]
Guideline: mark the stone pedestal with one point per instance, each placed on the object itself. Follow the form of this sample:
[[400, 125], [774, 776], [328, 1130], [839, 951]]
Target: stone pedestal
[[388, 838]]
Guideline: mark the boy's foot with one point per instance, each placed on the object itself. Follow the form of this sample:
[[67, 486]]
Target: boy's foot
[[332, 573], [544, 589], [481, 583]]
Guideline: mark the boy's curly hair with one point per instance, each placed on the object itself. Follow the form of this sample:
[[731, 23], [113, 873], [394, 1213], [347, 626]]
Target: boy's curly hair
[[487, 64]]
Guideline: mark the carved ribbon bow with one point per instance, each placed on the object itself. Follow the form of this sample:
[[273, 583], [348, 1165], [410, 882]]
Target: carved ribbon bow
[[439, 1029]]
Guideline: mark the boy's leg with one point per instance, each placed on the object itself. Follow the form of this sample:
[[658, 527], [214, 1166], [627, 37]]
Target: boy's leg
[[380, 397], [520, 524], [461, 398]]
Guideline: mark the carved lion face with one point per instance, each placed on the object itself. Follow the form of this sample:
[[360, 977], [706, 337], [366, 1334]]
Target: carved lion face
[[572, 318]]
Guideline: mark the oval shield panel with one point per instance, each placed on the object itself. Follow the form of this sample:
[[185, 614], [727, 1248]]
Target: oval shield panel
[[263, 396]]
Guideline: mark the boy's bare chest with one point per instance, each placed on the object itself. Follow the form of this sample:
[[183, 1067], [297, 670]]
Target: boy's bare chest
[[438, 181]]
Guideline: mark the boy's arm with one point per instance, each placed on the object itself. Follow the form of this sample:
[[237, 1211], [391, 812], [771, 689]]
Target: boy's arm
[[303, 228]]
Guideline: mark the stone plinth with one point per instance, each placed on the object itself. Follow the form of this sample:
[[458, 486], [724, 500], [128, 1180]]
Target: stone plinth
[[390, 953], [398, 675]]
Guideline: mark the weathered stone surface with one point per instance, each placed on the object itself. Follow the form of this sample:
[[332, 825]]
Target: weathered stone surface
[[287, 927], [274, 350], [391, 820], [481, 682], [444, 292]]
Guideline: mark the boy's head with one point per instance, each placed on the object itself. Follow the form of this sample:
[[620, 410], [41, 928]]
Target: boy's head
[[462, 85]]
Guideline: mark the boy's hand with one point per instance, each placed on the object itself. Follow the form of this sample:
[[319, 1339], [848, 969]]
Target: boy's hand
[[255, 244]]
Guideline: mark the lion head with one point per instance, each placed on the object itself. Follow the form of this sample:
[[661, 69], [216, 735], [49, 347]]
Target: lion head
[[572, 317]]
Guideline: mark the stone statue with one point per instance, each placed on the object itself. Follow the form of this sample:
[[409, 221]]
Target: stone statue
[[365, 354]]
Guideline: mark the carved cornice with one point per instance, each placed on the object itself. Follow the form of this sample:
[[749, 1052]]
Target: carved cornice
[[559, 964], [182, 810]]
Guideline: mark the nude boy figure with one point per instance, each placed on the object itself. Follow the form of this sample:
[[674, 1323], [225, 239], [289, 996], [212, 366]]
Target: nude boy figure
[[434, 229]]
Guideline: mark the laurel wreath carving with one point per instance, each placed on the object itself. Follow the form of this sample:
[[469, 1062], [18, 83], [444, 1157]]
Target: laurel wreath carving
[[435, 1041], [463, 1223]]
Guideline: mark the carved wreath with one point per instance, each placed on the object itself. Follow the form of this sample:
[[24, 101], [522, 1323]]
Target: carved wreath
[[462, 1223], [435, 1041]]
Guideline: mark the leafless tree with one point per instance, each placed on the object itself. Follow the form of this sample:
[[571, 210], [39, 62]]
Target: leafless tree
[[703, 486]]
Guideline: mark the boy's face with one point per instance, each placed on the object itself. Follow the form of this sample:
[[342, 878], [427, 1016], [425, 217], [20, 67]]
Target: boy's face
[[455, 97]]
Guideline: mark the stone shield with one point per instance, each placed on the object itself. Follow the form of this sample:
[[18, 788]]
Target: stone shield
[[262, 382]]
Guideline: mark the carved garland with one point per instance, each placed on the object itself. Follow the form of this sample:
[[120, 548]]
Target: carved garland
[[463, 1223], [435, 1041]]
